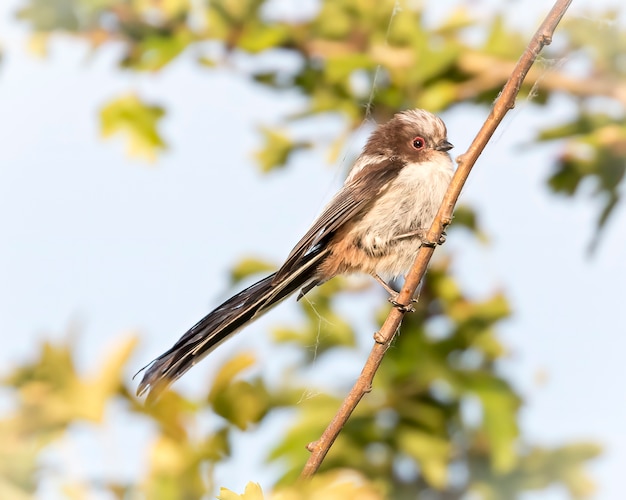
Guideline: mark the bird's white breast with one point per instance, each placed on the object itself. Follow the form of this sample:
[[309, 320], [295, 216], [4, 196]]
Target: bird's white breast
[[409, 204]]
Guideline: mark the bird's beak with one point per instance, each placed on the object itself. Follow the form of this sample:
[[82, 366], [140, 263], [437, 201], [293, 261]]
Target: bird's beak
[[444, 146]]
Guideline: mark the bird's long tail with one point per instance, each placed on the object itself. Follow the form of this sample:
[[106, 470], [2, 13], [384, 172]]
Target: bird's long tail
[[222, 322]]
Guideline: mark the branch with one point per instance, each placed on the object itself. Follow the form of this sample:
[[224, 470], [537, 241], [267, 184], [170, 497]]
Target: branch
[[485, 69], [504, 102]]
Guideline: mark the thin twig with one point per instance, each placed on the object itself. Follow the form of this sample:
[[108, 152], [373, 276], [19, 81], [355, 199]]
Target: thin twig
[[504, 102]]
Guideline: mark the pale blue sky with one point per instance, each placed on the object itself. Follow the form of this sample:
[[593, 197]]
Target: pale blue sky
[[107, 245]]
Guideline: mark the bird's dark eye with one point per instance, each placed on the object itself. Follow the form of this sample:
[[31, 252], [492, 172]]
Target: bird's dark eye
[[418, 143]]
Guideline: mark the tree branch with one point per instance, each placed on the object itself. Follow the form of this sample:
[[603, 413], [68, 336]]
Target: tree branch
[[485, 69], [504, 102]]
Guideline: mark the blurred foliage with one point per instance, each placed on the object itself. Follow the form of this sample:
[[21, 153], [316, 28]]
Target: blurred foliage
[[49, 395], [357, 57], [277, 149], [595, 150], [336, 485], [137, 121], [249, 266], [413, 434], [441, 421]]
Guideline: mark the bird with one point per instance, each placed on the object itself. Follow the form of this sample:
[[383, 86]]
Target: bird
[[375, 224]]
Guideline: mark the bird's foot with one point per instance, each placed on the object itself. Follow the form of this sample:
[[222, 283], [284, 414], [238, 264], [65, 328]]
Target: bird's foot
[[433, 244], [403, 308], [393, 296]]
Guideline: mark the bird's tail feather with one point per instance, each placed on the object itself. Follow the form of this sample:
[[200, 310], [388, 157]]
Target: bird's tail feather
[[221, 323]]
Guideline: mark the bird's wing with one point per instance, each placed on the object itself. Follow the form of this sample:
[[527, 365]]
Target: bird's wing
[[352, 200]]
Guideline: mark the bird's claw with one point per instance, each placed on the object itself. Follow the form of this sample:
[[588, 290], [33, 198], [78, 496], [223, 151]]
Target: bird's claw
[[403, 308], [433, 244]]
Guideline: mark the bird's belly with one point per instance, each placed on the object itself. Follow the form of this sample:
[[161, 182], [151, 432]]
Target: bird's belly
[[386, 238], [392, 230], [399, 259]]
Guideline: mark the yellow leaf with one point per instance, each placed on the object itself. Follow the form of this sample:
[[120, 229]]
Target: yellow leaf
[[168, 8], [38, 45], [10, 490], [276, 151], [342, 484], [167, 456], [253, 492], [229, 371], [138, 122], [93, 393]]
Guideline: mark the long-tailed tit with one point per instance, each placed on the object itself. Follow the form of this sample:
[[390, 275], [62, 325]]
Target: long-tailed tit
[[374, 225]]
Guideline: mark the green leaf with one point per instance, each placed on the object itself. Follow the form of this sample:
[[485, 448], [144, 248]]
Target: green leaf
[[466, 217], [538, 469], [500, 405], [437, 96], [595, 151], [155, 51], [240, 402], [138, 122], [503, 41], [339, 67], [277, 149], [169, 412], [430, 451], [314, 410], [258, 37], [217, 446], [230, 370], [49, 15], [324, 328], [249, 266], [583, 124], [333, 22]]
